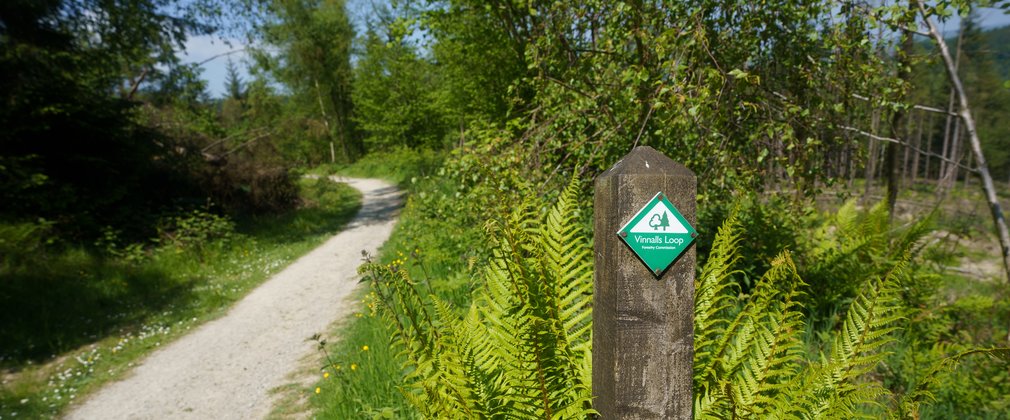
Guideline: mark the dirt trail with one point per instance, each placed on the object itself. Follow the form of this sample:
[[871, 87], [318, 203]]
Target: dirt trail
[[226, 368]]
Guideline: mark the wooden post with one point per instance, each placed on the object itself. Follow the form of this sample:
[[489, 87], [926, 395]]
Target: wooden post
[[643, 326]]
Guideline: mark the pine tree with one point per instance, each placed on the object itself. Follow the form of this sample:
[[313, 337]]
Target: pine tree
[[233, 83]]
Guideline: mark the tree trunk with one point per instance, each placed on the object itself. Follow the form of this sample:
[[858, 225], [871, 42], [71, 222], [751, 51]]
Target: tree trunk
[[326, 118], [955, 155], [976, 145], [906, 153], [929, 146], [851, 169], [967, 174], [918, 146], [871, 158], [950, 138], [943, 151], [897, 121]]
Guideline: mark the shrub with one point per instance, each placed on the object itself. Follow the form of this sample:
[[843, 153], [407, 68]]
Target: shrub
[[243, 185], [522, 349], [196, 230], [23, 240]]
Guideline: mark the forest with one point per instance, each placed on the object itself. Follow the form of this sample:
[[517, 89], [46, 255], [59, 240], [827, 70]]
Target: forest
[[853, 166]]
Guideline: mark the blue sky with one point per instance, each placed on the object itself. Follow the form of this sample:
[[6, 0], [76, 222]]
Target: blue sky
[[201, 48], [990, 18]]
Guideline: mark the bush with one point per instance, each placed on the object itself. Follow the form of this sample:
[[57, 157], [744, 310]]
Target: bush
[[241, 185], [22, 240], [769, 225], [198, 231], [522, 348], [195, 230]]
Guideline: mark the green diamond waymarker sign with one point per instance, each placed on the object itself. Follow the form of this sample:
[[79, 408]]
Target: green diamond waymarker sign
[[658, 234]]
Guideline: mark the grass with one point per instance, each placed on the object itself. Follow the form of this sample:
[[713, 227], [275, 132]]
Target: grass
[[399, 166], [433, 243], [360, 374], [73, 319]]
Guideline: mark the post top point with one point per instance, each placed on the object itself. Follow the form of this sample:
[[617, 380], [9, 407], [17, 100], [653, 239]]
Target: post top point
[[646, 160]]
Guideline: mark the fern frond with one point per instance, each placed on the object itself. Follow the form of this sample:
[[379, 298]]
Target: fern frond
[[857, 349], [765, 349], [868, 325], [713, 297], [912, 401]]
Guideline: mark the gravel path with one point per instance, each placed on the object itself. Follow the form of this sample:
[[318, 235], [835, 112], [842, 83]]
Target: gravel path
[[226, 368]]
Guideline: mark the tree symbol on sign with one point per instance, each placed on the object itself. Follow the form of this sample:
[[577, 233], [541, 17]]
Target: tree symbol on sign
[[658, 221]]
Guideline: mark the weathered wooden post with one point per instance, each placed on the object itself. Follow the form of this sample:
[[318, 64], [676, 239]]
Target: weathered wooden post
[[643, 310]]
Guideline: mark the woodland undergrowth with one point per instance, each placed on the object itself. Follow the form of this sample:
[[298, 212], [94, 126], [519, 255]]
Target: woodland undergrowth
[[519, 347]]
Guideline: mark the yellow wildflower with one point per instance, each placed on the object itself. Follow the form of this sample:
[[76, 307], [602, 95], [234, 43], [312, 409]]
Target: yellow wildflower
[[318, 390], [364, 348], [326, 374], [354, 366]]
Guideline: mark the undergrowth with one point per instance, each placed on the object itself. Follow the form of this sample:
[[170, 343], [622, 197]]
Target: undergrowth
[[398, 165], [837, 314], [74, 317]]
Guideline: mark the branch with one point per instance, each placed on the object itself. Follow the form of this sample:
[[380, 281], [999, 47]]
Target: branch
[[919, 107], [217, 142], [893, 25], [219, 56], [136, 84], [910, 30], [890, 140], [251, 141]]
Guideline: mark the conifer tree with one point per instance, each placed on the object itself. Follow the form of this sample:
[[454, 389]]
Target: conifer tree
[[233, 83]]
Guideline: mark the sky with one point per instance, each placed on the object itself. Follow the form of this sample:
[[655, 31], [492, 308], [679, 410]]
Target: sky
[[203, 48], [990, 18]]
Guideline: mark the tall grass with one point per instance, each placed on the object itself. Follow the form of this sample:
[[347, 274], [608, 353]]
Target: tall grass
[[430, 247], [74, 318]]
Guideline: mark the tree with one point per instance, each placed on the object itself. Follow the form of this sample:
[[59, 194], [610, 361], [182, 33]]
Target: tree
[[481, 49], [233, 105], [966, 116], [898, 120], [233, 83], [583, 82], [314, 61], [396, 96], [72, 149]]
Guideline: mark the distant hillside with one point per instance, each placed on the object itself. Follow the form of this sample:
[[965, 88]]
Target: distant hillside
[[995, 44], [998, 44]]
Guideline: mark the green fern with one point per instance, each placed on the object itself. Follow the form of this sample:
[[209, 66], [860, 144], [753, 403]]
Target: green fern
[[922, 393], [851, 247], [749, 358], [522, 349]]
